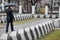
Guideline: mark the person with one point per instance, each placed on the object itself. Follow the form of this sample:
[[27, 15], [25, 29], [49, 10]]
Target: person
[[9, 19]]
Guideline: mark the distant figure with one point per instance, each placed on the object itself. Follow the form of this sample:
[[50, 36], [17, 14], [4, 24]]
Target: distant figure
[[9, 18]]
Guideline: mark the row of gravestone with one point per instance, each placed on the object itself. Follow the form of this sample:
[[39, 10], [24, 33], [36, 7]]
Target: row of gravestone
[[57, 23], [16, 18], [30, 33], [47, 16]]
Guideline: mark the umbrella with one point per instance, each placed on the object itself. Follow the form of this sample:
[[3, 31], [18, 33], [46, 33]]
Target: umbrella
[[10, 4]]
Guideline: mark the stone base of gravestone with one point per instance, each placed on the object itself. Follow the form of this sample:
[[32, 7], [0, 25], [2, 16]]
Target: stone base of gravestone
[[13, 35], [4, 37], [50, 16], [38, 15], [44, 16], [21, 34], [19, 37], [56, 16], [33, 31], [32, 15], [41, 15], [47, 16], [27, 32], [41, 29]]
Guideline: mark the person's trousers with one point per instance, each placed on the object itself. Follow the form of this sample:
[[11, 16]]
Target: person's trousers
[[7, 26]]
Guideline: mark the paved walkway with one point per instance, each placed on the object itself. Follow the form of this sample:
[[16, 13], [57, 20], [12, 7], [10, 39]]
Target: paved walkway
[[22, 26]]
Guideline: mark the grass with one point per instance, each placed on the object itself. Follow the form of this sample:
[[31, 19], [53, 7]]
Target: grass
[[53, 36], [27, 20], [2, 25]]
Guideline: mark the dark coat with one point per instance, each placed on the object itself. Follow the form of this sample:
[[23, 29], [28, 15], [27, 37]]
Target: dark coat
[[9, 13]]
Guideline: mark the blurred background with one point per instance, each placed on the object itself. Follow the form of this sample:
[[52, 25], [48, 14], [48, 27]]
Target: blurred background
[[27, 5]]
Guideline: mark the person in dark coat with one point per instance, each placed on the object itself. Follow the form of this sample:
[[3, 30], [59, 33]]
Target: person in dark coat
[[9, 18]]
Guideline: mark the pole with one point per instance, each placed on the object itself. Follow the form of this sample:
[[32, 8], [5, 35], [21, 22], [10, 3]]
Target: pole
[[20, 9], [46, 10], [59, 8], [33, 7], [3, 5]]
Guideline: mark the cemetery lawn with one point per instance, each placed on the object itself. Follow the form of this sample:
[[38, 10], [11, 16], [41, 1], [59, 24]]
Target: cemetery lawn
[[55, 35], [27, 20]]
